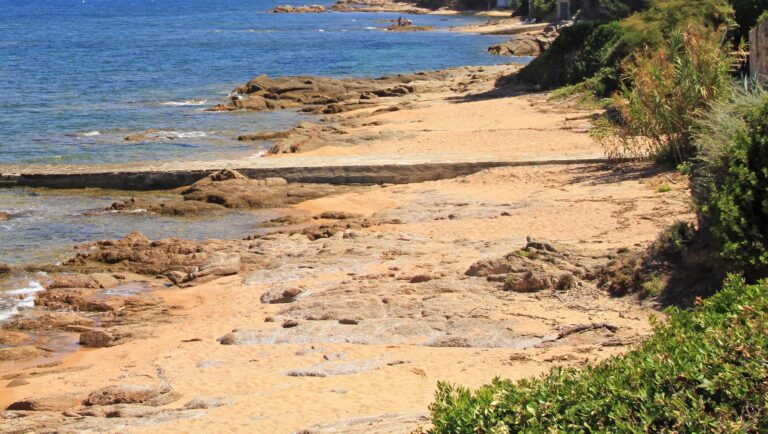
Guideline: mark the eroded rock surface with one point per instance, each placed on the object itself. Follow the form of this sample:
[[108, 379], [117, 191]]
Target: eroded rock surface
[[523, 46], [308, 9], [228, 189]]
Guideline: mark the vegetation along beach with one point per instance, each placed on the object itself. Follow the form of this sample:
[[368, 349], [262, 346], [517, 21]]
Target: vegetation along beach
[[377, 216]]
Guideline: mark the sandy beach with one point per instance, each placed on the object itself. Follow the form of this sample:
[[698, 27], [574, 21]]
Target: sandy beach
[[364, 297]]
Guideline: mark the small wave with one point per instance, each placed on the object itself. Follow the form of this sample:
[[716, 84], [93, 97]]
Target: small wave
[[22, 298], [320, 30], [371, 28], [188, 102], [84, 134], [190, 134]]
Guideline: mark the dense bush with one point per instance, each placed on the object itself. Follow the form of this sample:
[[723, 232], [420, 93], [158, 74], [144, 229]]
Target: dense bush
[[651, 27], [663, 94], [733, 184], [703, 371], [609, 10], [600, 49], [579, 52], [542, 9]]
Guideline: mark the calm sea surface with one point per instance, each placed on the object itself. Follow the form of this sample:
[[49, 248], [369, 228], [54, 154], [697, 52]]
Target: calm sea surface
[[76, 76]]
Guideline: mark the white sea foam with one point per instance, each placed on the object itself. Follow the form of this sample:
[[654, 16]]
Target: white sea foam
[[21, 298], [187, 102], [90, 133], [190, 134]]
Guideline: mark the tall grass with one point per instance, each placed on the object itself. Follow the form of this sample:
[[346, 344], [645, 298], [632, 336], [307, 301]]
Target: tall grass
[[663, 93]]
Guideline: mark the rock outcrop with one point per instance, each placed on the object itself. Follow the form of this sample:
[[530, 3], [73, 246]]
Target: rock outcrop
[[377, 6], [323, 95], [306, 9], [523, 46], [536, 267]]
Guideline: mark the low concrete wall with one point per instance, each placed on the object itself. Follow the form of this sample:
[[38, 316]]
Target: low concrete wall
[[758, 52], [378, 174]]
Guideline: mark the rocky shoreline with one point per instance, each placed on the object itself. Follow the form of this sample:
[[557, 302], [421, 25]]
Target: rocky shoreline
[[327, 278], [355, 287], [359, 99], [355, 6]]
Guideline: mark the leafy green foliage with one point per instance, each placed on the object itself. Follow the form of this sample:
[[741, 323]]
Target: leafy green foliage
[[541, 9], [610, 10], [578, 53], [652, 26], [662, 95], [703, 371], [599, 49], [737, 203]]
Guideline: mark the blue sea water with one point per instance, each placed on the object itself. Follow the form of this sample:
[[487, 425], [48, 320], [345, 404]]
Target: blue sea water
[[76, 76]]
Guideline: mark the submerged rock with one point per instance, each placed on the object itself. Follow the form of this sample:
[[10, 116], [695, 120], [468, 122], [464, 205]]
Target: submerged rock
[[16, 354]]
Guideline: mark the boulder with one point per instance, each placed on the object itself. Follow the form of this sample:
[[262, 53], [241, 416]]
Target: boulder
[[55, 402], [270, 135], [125, 394], [537, 266], [280, 295], [202, 402], [155, 258], [167, 207], [338, 215], [33, 320], [105, 280], [72, 281], [310, 9], [517, 47], [251, 102], [420, 278], [4, 269], [96, 339], [529, 281], [219, 264]]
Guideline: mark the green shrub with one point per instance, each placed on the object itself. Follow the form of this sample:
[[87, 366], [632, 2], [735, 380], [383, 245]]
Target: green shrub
[[578, 53], [663, 93], [609, 10], [542, 9], [736, 200], [703, 371], [716, 132], [654, 25]]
